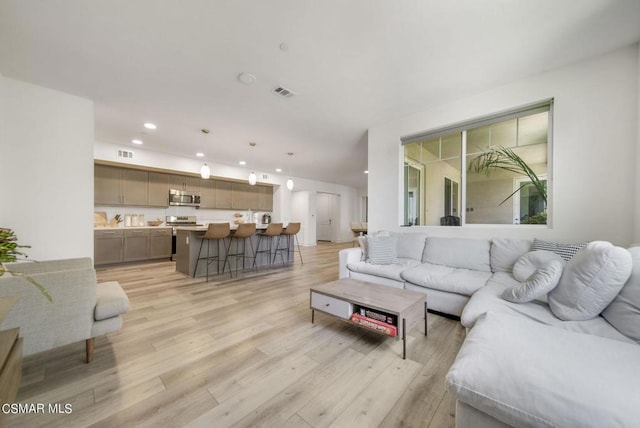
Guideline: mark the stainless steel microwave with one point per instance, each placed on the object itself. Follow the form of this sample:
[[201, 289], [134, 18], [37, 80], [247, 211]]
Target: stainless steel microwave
[[182, 198]]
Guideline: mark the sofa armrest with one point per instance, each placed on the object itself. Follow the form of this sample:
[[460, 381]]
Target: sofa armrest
[[346, 256], [111, 301], [524, 373]]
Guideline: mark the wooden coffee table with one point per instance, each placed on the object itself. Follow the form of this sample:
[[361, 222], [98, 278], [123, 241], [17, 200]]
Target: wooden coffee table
[[371, 303]]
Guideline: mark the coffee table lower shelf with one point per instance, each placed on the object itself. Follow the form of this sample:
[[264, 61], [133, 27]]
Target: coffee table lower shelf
[[339, 298]]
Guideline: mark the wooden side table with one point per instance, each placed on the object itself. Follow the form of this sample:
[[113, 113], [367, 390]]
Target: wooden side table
[[10, 358]]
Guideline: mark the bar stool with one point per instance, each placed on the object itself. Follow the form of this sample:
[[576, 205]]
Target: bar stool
[[290, 233], [243, 232], [215, 232], [273, 230]]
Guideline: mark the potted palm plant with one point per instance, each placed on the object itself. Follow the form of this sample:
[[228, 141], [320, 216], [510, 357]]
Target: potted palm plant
[[507, 160], [9, 252]]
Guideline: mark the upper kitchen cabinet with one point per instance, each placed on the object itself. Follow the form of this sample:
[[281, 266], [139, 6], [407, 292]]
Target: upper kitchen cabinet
[[223, 194], [265, 198], [242, 196], [207, 193], [119, 186], [182, 182], [158, 189], [107, 185]]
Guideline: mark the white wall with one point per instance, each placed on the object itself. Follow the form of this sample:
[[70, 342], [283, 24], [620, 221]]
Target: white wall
[[595, 141], [286, 204], [46, 141]]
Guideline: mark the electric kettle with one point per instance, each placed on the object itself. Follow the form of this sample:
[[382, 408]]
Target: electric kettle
[[266, 218]]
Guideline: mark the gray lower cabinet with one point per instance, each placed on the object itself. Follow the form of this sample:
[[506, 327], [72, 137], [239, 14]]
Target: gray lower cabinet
[[108, 246], [159, 243], [111, 246], [136, 245]]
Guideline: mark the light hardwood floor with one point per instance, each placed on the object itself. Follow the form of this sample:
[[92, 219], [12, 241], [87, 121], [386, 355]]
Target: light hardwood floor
[[244, 353]]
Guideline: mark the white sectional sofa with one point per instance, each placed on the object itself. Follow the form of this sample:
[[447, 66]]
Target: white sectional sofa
[[567, 355]]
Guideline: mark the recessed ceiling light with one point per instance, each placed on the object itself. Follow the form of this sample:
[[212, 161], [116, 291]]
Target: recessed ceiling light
[[242, 162], [246, 78], [138, 142], [150, 125], [200, 154], [366, 172], [278, 169]]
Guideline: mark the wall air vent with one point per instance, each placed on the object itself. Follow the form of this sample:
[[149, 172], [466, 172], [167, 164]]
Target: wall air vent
[[126, 154], [283, 92]]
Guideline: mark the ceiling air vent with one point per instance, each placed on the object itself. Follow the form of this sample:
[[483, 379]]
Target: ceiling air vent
[[283, 92], [126, 154]]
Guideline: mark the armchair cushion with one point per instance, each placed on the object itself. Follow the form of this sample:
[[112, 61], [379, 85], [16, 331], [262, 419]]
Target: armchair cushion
[[111, 301]]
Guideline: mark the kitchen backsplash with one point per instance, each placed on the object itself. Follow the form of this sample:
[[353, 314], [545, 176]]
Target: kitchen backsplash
[[202, 215]]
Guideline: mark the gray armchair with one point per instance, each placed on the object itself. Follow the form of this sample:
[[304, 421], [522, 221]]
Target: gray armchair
[[81, 309]]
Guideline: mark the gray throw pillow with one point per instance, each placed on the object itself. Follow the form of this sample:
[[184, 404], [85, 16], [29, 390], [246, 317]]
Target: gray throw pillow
[[624, 312], [381, 250], [591, 280], [538, 272]]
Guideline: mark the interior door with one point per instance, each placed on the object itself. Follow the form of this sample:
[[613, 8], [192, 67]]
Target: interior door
[[326, 208]]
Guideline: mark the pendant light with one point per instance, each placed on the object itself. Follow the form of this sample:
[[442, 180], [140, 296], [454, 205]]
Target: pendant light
[[253, 179], [289, 180], [205, 171]]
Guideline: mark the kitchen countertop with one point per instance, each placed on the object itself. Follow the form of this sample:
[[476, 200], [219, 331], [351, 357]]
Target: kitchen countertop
[[130, 227]]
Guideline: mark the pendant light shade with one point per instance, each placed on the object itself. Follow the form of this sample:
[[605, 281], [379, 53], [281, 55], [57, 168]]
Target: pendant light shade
[[205, 171], [289, 180], [253, 179]]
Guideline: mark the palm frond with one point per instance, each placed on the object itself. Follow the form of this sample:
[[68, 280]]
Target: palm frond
[[507, 160]]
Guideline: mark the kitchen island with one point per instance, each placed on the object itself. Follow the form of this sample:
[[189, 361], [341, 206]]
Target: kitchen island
[[188, 240]]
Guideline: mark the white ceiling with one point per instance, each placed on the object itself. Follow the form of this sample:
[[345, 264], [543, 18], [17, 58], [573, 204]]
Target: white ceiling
[[352, 63]]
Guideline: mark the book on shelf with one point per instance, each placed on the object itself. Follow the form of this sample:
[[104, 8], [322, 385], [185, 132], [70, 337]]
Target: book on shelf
[[374, 324]]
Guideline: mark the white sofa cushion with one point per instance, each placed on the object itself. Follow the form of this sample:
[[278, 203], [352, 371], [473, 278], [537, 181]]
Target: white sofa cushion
[[524, 373], [410, 245], [461, 253], [590, 281], [624, 311], [381, 250], [446, 278], [505, 252], [488, 299], [391, 271], [538, 272]]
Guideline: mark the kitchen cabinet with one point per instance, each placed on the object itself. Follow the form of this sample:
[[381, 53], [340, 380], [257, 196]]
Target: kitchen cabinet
[[265, 198], [207, 193], [239, 197], [113, 246], [160, 243], [158, 190], [183, 182], [107, 185], [135, 188], [120, 186], [108, 246], [223, 194], [136, 245]]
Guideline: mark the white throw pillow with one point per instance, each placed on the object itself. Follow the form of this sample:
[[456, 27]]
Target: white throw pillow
[[538, 272], [624, 312], [506, 251], [591, 280], [381, 250]]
